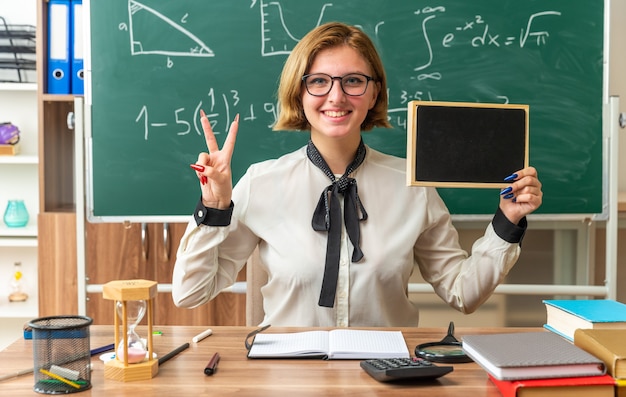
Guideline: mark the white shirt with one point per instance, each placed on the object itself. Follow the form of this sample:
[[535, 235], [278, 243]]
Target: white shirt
[[406, 226]]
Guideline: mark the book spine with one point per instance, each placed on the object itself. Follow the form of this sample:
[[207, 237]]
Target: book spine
[[506, 388], [552, 329], [592, 346], [620, 388]]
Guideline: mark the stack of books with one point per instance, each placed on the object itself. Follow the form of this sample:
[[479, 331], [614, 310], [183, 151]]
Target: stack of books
[[539, 364], [598, 326], [564, 316], [609, 345]]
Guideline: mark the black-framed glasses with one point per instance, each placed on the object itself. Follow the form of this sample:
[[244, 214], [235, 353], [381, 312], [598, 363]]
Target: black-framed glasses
[[320, 84]]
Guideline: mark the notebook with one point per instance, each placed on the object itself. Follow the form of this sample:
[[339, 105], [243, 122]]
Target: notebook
[[334, 344], [530, 355]]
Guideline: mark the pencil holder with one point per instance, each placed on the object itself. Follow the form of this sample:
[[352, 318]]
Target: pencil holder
[[62, 359]]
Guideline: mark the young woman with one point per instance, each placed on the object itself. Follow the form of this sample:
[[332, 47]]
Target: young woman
[[338, 230]]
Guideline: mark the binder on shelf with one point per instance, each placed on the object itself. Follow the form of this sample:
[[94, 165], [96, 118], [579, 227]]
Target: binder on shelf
[[59, 77], [77, 69]]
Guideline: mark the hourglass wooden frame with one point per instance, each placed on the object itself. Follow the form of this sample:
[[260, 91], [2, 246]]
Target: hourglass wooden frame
[[124, 291]]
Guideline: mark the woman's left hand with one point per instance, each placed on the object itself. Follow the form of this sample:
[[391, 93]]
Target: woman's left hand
[[523, 195]]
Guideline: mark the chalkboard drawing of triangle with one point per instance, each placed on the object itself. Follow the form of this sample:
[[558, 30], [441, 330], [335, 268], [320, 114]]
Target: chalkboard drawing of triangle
[[172, 39]]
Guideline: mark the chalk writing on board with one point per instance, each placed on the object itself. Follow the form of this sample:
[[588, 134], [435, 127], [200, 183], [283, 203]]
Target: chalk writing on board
[[277, 39], [272, 20], [274, 30], [178, 122], [186, 44], [484, 38]]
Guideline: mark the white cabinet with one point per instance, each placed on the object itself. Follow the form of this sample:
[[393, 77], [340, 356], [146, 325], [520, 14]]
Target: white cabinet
[[19, 180]]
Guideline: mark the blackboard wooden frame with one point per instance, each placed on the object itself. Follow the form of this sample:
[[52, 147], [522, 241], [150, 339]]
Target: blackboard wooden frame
[[465, 145]]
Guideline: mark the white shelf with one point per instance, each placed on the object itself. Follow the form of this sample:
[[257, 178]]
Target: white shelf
[[27, 159], [27, 256], [30, 230], [19, 180], [26, 310], [18, 236], [18, 87], [18, 242]]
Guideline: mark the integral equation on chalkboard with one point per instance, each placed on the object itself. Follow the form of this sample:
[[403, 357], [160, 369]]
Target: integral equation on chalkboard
[[433, 32]]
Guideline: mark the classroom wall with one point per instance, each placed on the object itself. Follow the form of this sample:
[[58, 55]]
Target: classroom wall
[[14, 12], [24, 14], [617, 86], [617, 74], [24, 11], [539, 244], [19, 12]]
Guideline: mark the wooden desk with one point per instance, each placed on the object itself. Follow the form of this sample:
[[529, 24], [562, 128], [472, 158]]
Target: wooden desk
[[238, 375]]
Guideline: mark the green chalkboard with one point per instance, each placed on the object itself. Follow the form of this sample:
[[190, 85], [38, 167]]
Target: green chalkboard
[[154, 63]]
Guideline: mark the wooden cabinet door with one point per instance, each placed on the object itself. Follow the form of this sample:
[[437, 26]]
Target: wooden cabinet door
[[113, 251], [225, 309], [148, 251], [57, 264]]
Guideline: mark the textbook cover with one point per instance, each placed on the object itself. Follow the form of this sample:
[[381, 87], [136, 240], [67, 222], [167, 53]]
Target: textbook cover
[[620, 388], [530, 355], [564, 316], [609, 345], [596, 386]]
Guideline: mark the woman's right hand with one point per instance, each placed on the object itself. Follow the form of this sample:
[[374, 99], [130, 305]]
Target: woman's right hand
[[213, 168]]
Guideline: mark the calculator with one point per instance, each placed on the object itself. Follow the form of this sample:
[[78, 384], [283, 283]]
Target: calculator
[[390, 369]]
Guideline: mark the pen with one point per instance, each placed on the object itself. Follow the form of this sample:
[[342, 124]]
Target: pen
[[57, 377], [202, 335], [211, 367], [102, 349], [173, 353]]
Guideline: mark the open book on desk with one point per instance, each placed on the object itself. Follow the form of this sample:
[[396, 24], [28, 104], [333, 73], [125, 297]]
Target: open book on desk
[[334, 344]]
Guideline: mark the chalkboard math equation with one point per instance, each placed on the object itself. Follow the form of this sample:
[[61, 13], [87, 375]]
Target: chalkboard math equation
[[473, 31]]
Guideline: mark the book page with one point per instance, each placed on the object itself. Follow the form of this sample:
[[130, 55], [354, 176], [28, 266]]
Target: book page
[[307, 343], [366, 344]]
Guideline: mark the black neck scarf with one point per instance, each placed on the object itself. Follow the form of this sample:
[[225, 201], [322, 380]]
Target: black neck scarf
[[327, 217]]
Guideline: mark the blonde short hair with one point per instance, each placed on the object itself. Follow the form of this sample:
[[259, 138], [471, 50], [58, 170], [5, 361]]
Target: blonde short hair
[[291, 114]]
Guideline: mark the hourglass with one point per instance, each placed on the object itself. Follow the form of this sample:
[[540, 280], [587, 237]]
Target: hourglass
[[132, 300], [133, 311]]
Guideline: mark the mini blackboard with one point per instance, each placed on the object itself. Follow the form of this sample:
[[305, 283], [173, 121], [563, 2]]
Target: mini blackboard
[[458, 144]]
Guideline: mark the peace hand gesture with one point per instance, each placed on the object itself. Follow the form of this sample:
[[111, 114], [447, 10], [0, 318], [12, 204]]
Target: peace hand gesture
[[213, 168]]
